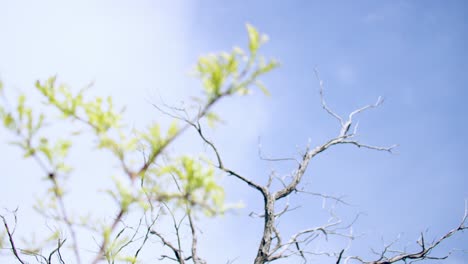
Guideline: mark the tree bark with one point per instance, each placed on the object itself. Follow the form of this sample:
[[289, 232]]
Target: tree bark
[[265, 244]]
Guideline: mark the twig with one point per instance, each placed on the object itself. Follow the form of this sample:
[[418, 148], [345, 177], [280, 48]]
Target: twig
[[102, 247], [11, 240]]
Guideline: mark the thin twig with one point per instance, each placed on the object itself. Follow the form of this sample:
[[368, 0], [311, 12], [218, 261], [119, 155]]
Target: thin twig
[[11, 240]]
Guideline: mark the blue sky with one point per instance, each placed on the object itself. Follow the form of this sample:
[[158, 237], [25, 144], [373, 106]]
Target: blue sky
[[413, 53]]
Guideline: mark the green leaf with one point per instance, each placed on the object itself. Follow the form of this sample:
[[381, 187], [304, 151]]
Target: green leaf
[[9, 121], [2, 239], [212, 119], [242, 90], [20, 107], [232, 64], [62, 147], [54, 236], [123, 195], [29, 124], [128, 259], [46, 151], [29, 152], [106, 234], [62, 167], [266, 67], [153, 137], [254, 39], [39, 123], [173, 130], [197, 183], [263, 88]]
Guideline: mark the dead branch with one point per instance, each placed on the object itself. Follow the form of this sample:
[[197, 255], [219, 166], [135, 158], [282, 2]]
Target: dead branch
[[425, 248]]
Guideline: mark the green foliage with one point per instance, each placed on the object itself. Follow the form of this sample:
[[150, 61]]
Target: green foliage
[[154, 138], [212, 119], [98, 113], [22, 119], [197, 184], [35, 244], [114, 250], [216, 70], [27, 126], [123, 194], [185, 182]]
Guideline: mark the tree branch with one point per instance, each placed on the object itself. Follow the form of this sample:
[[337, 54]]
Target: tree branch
[[425, 249], [10, 238]]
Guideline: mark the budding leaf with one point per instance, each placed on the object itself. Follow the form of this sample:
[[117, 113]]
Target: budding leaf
[[254, 39]]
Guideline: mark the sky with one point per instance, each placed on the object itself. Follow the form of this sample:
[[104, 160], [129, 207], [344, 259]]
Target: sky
[[412, 53]]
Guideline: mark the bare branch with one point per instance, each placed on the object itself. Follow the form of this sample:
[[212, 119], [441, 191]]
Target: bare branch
[[322, 99], [177, 252], [359, 145], [362, 109], [308, 234], [220, 165], [52, 176], [340, 256], [425, 250], [102, 247], [196, 259], [344, 137], [263, 157], [325, 197], [132, 238], [10, 238], [57, 250], [296, 178], [148, 231]]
